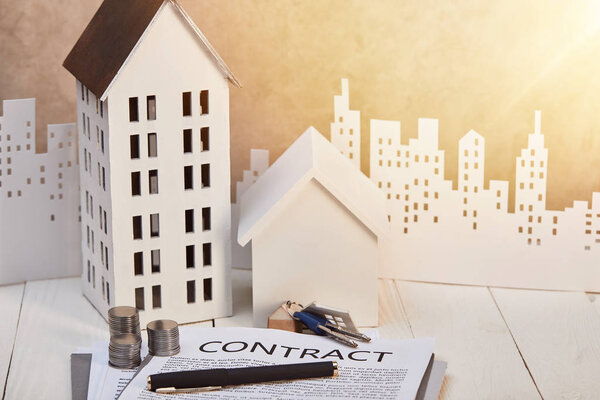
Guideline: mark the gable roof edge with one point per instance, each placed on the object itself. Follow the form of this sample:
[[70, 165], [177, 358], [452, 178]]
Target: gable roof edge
[[220, 63], [217, 58], [112, 81]]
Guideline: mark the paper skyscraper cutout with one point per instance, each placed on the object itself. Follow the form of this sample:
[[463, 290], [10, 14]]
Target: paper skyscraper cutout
[[39, 198]]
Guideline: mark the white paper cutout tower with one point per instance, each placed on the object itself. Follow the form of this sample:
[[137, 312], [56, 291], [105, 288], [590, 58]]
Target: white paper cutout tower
[[153, 113], [345, 128], [38, 198]]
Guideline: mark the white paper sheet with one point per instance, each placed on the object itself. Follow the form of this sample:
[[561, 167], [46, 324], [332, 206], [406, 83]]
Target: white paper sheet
[[382, 369], [106, 382]]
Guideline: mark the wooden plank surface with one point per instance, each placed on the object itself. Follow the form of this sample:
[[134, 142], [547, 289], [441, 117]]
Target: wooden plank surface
[[483, 361], [55, 320], [558, 334], [10, 305], [241, 283]]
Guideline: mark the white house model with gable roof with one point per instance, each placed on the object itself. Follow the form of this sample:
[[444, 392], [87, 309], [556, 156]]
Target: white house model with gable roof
[[315, 222], [153, 116]]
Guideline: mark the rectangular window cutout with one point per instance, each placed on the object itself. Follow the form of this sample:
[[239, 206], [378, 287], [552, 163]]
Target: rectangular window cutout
[[152, 145], [204, 102], [189, 221], [133, 109], [107, 294], [205, 175], [137, 227], [156, 300], [134, 146], [151, 108], [207, 289], [187, 140], [190, 258], [153, 181], [105, 225], [191, 291], [204, 138], [206, 219], [206, 254], [155, 259], [188, 177], [135, 184], [106, 256], [138, 263], [154, 230], [186, 99], [139, 298]]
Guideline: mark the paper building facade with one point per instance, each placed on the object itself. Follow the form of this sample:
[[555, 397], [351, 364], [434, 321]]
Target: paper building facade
[[315, 222], [467, 235], [241, 256], [39, 198], [153, 107]]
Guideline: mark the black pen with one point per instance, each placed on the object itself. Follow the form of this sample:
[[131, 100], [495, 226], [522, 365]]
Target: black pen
[[212, 379]]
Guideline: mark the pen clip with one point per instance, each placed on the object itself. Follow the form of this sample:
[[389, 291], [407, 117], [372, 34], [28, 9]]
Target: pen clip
[[173, 390]]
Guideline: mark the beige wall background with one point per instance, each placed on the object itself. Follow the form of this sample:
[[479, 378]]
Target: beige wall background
[[473, 64]]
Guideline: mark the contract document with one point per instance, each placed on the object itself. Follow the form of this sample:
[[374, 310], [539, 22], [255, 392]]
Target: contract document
[[382, 369]]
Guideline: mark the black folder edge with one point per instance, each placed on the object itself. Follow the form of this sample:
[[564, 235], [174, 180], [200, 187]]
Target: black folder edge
[[81, 363], [432, 380]]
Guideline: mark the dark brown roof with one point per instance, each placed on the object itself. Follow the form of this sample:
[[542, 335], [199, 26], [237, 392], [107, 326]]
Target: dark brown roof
[[110, 37], [107, 41]]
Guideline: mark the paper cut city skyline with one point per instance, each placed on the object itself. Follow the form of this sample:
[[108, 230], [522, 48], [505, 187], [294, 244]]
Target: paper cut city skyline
[[39, 198], [468, 230], [467, 235]]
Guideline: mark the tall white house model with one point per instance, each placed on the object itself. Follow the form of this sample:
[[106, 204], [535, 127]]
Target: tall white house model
[[315, 222], [153, 121]]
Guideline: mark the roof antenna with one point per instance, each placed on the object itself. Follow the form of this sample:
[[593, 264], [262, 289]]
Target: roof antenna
[[538, 122]]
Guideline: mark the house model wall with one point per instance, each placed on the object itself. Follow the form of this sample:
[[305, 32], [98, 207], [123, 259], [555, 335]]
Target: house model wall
[[153, 107], [39, 198], [315, 222], [241, 256]]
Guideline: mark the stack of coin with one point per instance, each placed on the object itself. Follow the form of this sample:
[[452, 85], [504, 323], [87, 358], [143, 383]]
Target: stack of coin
[[123, 319], [124, 350], [163, 337]]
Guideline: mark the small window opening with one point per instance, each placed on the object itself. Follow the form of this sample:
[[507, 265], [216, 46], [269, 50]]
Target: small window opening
[[139, 298], [204, 102], [206, 254], [152, 145], [138, 263], [135, 184], [188, 177], [207, 289], [206, 219], [191, 292], [204, 138], [137, 227], [151, 108], [154, 229], [187, 140], [189, 221], [153, 181], [205, 175], [187, 103], [134, 146], [190, 251], [156, 298], [133, 109], [155, 259]]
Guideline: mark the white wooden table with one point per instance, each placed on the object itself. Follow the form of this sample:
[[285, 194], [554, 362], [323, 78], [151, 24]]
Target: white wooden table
[[499, 343]]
